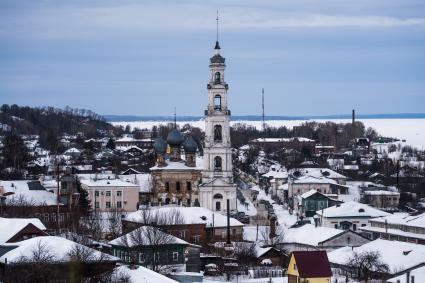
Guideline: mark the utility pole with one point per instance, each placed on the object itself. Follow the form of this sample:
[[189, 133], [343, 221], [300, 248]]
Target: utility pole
[[263, 114]]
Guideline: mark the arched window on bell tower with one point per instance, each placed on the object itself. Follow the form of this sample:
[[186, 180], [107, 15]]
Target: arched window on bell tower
[[217, 163], [217, 79], [217, 102], [218, 133]]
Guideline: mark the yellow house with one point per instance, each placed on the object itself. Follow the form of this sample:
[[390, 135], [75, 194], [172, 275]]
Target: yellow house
[[309, 267]]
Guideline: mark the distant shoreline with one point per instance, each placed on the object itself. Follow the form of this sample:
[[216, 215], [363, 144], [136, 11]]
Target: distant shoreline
[[134, 118]]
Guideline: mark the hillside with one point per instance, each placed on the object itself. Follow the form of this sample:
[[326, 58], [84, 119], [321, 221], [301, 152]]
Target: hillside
[[49, 122]]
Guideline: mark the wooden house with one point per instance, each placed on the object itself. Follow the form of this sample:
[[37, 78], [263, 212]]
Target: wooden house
[[309, 266]]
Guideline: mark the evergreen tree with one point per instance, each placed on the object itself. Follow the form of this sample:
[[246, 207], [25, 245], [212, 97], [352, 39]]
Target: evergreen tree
[[15, 153], [110, 144]]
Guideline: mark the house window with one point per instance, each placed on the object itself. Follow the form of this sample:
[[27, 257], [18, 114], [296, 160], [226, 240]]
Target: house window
[[141, 258], [175, 256], [119, 193], [96, 193], [188, 202], [119, 204], [182, 234], [108, 204], [196, 239], [167, 186], [96, 205], [189, 186], [108, 193], [178, 186], [354, 227]]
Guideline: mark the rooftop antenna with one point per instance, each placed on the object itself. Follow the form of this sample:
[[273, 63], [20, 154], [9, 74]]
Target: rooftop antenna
[[175, 118], [262, 107]]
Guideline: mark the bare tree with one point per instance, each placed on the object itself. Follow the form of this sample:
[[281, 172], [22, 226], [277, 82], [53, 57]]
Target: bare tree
[[114, 225], [245, 253], [34, 267], [366, 264], [272, 240]]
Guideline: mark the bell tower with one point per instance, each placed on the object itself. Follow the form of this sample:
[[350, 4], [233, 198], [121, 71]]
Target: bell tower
[[217, 177]]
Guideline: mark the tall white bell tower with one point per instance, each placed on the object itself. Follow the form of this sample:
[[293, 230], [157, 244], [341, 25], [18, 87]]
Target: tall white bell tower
[[217, 177]]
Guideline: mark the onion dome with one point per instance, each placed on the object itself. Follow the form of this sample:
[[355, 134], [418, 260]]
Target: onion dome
[[175, 137], [190, 145], [160, 145]]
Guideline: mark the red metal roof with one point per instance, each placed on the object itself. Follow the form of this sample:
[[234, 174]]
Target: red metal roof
[[312, 264]]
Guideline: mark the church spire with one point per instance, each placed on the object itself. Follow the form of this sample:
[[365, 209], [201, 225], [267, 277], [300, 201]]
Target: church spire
[[217, 45]]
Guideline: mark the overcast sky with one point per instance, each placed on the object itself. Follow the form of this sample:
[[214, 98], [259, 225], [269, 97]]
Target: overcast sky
[[147, 57]]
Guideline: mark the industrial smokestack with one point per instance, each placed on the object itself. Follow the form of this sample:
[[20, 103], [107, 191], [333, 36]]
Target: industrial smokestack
[[228, 222]]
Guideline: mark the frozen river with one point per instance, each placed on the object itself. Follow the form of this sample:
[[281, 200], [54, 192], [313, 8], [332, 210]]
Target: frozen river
[[412, 130]]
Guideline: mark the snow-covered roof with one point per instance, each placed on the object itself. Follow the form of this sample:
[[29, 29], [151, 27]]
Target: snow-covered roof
[[276, 174], [392, 231], [58, 247], [381, 193], [107, 183], [403, 219], [190, 215], [72, 150], [143, 180], [417, 273], [313, 180], [271, 140], [308, 234], [9, 227], [319, 172], [143, 275], [180, 165], [309, 193], [398, 255], [352, 209], [131, 139], [142, 236], [20, 190]]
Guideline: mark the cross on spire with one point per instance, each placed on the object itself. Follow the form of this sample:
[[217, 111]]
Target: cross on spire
[[217, 45]]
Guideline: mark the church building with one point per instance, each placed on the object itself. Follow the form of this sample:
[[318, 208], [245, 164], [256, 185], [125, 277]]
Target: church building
[[217, 176], [175, 179]]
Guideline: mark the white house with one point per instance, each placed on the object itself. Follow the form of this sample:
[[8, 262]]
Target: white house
[[109, 194], [398, 226], [349, 215]]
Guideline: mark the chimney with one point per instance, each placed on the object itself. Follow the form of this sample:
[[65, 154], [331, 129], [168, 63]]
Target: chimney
[[272, 227], [354, 123], [228, 222]]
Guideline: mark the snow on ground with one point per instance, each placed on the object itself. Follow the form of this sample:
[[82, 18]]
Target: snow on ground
[[412, 130], [250, 210], [143, 275], [242, 279]]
